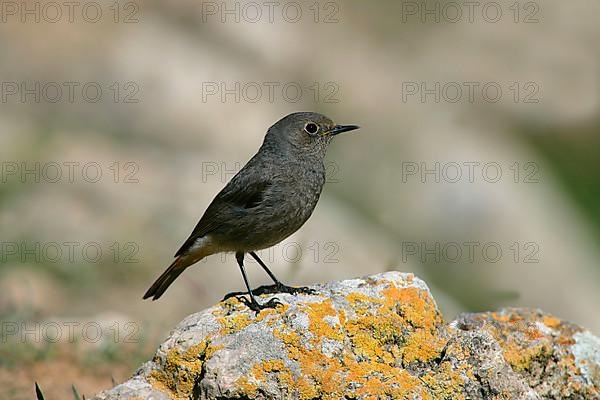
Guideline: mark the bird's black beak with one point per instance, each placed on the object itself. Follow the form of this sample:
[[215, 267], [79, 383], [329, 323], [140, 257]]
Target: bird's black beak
[[336, 130]]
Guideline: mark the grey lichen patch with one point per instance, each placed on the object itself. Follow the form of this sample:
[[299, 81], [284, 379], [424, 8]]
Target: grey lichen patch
[[192, 330], [586, 351], [135, 388]]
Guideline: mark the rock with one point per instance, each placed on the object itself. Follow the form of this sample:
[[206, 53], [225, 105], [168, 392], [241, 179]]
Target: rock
[[379, 337]]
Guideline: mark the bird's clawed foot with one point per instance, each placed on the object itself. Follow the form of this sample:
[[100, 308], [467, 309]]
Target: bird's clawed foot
[[234, 294], [272, 289], [256, 306], [281, 288]]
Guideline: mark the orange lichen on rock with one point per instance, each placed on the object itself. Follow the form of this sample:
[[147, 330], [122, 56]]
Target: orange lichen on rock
[[550, 321], [232, 320], [374, 339], [249, 388], [520, 355], [447, 382], [423, 346], [414, 304], [320, 327], [233, 323], [379, 380], [181, 369], [521, 340]]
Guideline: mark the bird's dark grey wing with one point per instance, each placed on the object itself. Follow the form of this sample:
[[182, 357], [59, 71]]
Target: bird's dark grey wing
[[234, 198]]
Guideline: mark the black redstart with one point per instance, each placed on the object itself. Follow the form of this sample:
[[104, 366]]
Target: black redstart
[[270, 198]]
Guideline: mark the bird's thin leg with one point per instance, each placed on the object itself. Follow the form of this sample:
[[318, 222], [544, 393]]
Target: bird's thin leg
[[252, 303], [240, 260], [267, 270], [278, 287]]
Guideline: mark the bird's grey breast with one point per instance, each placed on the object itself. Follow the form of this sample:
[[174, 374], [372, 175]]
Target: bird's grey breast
[[304, 188], [291, 199]]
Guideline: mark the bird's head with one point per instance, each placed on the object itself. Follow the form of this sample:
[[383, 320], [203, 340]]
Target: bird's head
[[307, 132]]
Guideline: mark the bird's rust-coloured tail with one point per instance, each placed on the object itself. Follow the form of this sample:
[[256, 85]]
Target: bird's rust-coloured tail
[[167, 277]]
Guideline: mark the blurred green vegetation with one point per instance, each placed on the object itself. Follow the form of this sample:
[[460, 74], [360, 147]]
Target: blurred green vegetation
[[573, 153]]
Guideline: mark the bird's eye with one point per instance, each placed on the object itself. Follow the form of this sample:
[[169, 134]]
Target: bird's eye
[[311, 128]]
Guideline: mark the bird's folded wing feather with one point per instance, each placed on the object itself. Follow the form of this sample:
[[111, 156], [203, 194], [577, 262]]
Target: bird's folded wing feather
[[235, 196]]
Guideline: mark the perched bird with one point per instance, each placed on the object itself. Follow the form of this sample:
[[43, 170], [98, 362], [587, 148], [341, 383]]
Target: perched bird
[[270, 198]]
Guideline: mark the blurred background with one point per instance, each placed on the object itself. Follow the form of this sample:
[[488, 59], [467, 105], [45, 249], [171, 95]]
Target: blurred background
[[476, 168]]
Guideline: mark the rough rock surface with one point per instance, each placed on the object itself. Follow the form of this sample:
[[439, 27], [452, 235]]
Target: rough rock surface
[[379, 337]]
